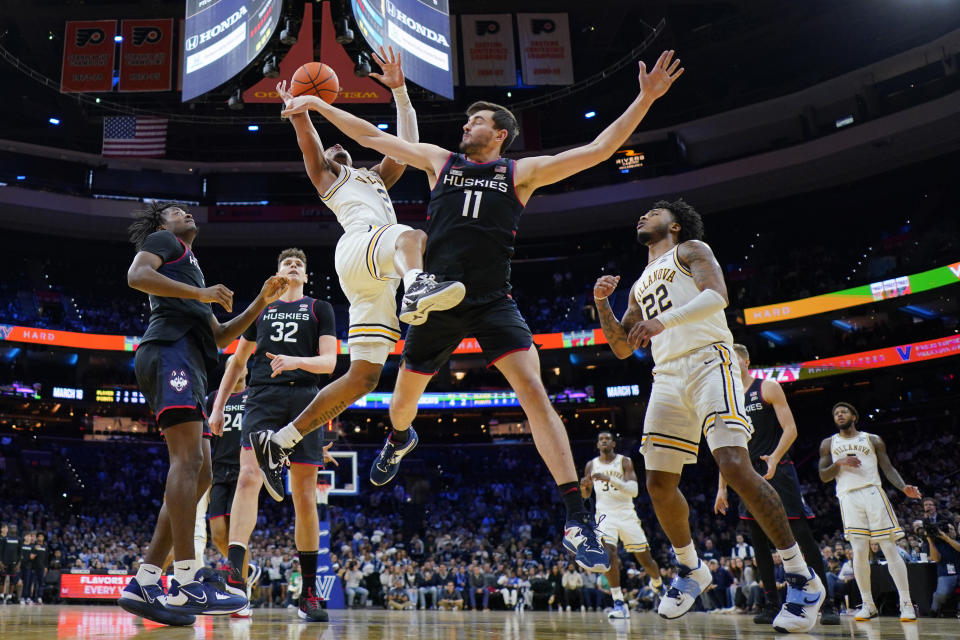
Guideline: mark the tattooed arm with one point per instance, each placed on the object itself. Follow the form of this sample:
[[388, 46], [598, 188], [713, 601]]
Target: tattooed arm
[[615, 331], [883, 461]]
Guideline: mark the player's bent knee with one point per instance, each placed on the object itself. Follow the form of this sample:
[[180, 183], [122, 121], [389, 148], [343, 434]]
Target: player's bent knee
[[363, 380]]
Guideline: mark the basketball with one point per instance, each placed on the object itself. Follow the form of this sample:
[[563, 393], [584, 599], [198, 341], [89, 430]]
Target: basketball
[[316, 79]]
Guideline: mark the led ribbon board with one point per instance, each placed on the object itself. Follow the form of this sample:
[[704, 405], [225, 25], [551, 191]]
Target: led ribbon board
[[873, 292]]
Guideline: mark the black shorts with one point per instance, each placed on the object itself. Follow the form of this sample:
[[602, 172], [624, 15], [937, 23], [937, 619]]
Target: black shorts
[[787, 486], [173, 379], [222, 490], [272, 406], [497, 326]]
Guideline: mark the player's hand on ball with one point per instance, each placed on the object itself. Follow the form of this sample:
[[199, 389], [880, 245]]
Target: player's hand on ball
[[327, 458], [659, 80], [604, 287], [771, 466], [641, 333], [300, 104], [392, 75], [912, 492], [216, 422], [284, 94], [218, 294], [273, 288], [279, 364], [720, 505]]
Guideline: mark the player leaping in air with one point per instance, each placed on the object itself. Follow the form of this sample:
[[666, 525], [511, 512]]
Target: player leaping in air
[[371, 258], [476, 200]]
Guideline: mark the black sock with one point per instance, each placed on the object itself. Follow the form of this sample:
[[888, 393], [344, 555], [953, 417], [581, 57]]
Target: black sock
[[308, 568], [400, 437], [236, 554], [572, 500]]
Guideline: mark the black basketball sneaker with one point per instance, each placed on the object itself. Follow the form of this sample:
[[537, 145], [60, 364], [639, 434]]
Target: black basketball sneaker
[[426, 295], [272, 458]]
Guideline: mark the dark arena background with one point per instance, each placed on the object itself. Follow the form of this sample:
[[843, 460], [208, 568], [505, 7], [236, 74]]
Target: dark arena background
[[819, 141]]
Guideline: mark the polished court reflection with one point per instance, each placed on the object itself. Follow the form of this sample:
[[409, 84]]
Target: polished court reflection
[[109, 623]]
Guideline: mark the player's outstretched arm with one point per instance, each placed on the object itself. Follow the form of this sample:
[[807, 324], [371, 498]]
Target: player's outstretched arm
[[883, 461], [321, 174], [538, 171], [773, 393], [427, 157], [615, 331], [389, 169], [229, 331], [236, 366]]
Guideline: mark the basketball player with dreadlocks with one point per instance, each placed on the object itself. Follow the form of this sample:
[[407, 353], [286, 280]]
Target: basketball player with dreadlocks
[[774, 431], [676, 308], [171, 365], [476, 199], [854, 459]]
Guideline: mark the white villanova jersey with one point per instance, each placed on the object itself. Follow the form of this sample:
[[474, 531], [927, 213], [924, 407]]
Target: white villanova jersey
[[850, 478], [359, 199], [663, 285], [609, 498]]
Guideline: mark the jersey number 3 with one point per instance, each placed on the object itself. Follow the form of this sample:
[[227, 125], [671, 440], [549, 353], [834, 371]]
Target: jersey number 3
[[659, 299], [280, 336]]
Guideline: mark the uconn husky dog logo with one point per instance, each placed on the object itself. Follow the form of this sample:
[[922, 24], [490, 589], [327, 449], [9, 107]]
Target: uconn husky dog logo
[[179, 380]]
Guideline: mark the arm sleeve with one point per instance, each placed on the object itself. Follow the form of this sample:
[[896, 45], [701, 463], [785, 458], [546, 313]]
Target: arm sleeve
[[163, 244], [630, 487], [406, 116], [324, 312], [703, 305]]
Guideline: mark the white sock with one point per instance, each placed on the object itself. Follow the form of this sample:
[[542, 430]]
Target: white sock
[[287, 437], [687, 556], [185, 570], [410, 277], [793, 561], [148, 574], [616, 593], [861, 567], [898, 570]]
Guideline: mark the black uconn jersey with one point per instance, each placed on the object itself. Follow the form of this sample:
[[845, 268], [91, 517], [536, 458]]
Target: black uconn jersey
[[289, 329], [766, 425], [472, 223]]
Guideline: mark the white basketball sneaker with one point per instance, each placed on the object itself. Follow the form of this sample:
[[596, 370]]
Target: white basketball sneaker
[[907, 612], [866, 612], [805, 596], [681, 595]]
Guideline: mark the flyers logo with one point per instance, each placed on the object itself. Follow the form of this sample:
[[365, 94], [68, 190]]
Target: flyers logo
[[146, 34], [90, 35]]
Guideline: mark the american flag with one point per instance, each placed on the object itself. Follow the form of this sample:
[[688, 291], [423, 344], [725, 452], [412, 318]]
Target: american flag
[[134, 136]]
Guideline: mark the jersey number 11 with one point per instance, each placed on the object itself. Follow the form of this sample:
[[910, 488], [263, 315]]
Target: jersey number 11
[[467, 195]]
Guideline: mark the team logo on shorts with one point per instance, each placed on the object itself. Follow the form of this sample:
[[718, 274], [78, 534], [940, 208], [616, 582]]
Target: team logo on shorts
[[179, 380]]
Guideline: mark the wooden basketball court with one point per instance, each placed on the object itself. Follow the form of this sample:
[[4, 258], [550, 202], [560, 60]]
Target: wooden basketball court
[[49, 622]]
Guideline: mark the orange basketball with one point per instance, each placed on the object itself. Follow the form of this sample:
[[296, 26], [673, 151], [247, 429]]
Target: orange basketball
[[317, 79]]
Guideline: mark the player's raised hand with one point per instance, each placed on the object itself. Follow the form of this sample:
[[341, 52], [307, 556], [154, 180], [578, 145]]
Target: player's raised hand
[[912, 491], [392, 75], [216, 422], [720, 505], [284, 94], [640, 334], [300, 104], [659, 80], [327, 458], [218, 294], [279, 364], [273, 288], [604, 287]]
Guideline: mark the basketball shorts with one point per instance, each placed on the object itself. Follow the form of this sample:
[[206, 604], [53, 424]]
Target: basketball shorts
[[497, 326], [172, 377], [866, 512], [272, 406], [622, 527], [369, 279], [787, 486], [222, 490], [696, 394]]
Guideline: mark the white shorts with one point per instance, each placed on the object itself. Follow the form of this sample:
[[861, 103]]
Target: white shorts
[[623, 527], [693, 395], [369, 279], [866, 512]]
